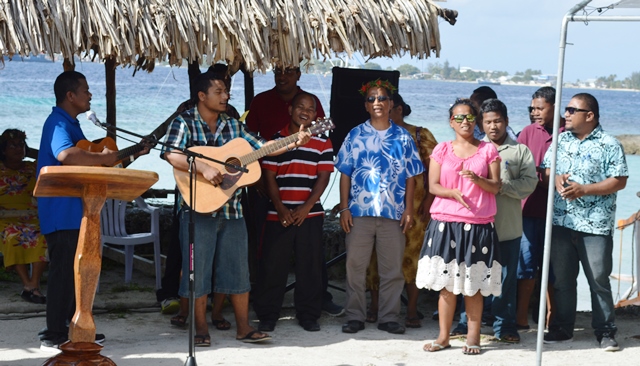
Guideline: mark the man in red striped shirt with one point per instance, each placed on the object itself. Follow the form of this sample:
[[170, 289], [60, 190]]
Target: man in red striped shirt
[[294, 182]]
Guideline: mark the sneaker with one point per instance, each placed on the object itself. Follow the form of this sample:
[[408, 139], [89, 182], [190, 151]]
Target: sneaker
[[310, 325], [557, 336], [52, 346], [332, 309], [608, 342], [170, 306], [266, 325]]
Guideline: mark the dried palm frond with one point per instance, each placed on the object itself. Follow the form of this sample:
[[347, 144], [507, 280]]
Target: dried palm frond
[[253, 34]]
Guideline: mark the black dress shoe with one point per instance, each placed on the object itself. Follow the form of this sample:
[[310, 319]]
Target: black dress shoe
[[352, 326], [310, 325], [266, 325], [391, 327]]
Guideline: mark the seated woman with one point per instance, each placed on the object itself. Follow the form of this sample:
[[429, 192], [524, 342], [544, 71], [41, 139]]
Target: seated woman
[[21, 243]]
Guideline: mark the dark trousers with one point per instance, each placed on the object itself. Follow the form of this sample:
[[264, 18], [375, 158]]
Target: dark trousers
[[279, 242], [61, 300], [171, 280]]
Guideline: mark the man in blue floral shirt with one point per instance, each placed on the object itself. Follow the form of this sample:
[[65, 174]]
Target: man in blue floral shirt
[[377, 162], [591, 168]]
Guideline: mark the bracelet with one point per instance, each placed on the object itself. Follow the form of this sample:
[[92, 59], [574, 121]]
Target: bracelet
[[288, 149], [131, 158], [343, 210]]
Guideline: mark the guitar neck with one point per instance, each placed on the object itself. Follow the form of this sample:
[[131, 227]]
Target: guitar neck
[[268, 149], [131, 150]]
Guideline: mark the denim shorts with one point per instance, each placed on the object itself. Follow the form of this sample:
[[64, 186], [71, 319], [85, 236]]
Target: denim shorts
[[531, 247], [220, 244]]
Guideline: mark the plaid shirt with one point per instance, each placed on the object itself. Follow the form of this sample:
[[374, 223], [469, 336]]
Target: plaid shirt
[[189, 129]]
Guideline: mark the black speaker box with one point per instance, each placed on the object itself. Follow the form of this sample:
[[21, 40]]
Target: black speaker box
[[347, 104]]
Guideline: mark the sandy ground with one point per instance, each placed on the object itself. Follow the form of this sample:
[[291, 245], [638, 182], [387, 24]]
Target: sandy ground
[[137, 334]]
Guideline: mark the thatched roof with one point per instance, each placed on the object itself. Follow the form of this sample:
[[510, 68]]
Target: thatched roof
[[251, 33]]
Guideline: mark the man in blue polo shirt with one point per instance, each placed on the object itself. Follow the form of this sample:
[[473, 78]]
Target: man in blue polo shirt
[[60, 217], [591, 169]]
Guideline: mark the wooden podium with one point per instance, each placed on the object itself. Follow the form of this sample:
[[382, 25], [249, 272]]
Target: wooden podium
[[94, 185]]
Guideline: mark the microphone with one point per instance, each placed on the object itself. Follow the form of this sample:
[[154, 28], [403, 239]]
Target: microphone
[[91, 116]]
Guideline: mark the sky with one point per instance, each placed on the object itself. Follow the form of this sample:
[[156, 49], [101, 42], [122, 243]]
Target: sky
[[515, 35]]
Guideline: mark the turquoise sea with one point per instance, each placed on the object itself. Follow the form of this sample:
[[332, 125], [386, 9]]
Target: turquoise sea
[[146, 100]]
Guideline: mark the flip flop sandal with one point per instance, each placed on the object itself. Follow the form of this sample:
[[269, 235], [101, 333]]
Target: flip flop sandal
[[202, 340], [509, 338], [435, 347], [31, 296], [249, 337], [412, 322], [221, 324], [371, 317], [466, 349], [179, 321]]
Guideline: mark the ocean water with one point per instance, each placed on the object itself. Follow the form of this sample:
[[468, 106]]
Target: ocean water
[[146, 100]]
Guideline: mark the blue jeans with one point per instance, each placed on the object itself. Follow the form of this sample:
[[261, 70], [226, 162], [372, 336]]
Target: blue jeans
[[504, 306], [568, 248], [531, 247], [221, 244]]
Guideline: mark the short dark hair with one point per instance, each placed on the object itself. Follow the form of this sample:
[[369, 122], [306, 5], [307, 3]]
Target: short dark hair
[[485, 92], [202, 82], [68, 81], [494, 105], [10, 134], [546, 92], [463, 101], [592, 103], [398, 101], [304, 94]]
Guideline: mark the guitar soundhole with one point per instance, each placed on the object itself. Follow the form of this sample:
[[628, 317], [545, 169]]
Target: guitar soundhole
[[232, 176]]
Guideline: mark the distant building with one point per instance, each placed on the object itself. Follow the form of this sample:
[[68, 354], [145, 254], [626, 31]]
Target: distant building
[[545, 79]]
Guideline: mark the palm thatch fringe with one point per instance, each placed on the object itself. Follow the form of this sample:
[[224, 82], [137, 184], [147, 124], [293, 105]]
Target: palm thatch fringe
[[253, 34]]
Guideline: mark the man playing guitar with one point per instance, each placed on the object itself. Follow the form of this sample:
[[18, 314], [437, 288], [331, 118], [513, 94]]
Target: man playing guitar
[[220, 236]]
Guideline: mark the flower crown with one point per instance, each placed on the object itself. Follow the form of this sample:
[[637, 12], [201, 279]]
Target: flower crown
[[377, 84]]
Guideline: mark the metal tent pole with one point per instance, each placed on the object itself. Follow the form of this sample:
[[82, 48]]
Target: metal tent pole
[[542, 313]]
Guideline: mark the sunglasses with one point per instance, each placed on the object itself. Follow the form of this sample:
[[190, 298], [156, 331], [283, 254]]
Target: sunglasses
[[572, 110], [530, 109], [289, 71], [381, 98], [461, 117]]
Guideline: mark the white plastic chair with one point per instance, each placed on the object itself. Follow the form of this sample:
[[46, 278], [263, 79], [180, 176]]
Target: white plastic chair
[[112, 223]]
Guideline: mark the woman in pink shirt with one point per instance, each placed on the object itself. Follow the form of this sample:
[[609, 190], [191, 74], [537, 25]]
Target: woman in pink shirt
[[459, 254]]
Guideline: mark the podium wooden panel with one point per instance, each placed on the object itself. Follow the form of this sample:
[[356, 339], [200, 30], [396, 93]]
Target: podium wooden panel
[[93, 185]]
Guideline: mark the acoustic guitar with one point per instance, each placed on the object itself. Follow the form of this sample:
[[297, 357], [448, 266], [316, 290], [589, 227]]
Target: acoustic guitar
[[110, 144], [237, 152]]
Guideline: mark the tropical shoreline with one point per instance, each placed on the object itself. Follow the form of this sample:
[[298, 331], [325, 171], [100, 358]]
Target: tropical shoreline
[[630, 144]]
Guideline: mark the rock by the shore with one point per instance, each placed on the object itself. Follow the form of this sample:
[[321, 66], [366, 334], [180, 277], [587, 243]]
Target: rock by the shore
[[630, 144]]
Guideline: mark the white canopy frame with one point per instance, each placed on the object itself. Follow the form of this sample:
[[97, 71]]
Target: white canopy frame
[[569, 17]]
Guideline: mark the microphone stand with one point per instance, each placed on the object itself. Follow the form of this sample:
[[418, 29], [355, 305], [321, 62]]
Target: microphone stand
[[191, 156]]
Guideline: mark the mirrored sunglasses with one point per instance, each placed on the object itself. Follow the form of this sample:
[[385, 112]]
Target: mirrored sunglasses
[[461, 117]]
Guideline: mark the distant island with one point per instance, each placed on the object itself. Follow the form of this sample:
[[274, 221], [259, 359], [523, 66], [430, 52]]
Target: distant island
[[446, 72], [630, 144]]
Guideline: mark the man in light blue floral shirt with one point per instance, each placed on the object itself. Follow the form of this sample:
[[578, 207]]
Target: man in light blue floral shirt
[[591, 168], [378, 161]]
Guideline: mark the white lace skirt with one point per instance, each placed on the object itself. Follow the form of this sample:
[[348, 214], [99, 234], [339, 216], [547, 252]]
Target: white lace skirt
[[462, 258]]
